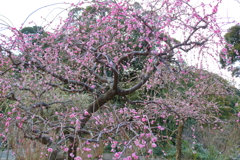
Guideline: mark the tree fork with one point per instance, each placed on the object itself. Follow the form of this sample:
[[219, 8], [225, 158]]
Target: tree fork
[[95, 106]]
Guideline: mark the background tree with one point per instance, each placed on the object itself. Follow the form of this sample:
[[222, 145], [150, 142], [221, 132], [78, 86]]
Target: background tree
[[32, 30], [66, 96], [189, 96], [230, 54]]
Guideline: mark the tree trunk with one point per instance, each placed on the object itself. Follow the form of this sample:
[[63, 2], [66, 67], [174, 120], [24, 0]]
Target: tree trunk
[[179, 140], [93, 107], [72, 149]]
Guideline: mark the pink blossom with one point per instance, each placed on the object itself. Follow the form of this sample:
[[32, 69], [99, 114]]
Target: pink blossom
[[65, 149], [224, 50], [134, 156], [89, 155], [86, 113], [144, 119], [77, 158], [161, 128], [136, 117], [215, 9], [141, 146], [72, 115], [50, 149], [95, 145], [71, 154], [154, 139], [7, 123], [87, 149], [217, 31], [142, 134], [137, 143], [117, 155], [162, 116], [121, 111], [154, 145], [238, 114], [150, 60], [113, 145], [148, 135], [152, 122], [128, 158], [150, 151]]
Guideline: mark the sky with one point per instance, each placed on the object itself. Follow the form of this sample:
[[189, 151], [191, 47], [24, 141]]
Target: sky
[[18, 10], [15, 12]]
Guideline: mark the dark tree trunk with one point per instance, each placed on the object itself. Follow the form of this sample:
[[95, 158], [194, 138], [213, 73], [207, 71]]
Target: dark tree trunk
[[179, 140], [72, 150]]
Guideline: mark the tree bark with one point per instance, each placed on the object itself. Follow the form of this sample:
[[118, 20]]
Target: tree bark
[[72, 149], [93, 107], [179, 140]]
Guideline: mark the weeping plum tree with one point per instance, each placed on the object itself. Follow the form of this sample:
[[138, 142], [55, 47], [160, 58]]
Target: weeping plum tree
[[63, 89]]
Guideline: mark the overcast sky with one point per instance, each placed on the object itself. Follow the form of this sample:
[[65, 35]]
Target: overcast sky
[[18, 10]]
